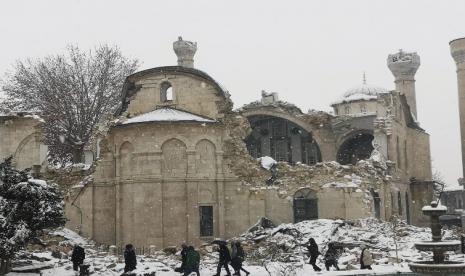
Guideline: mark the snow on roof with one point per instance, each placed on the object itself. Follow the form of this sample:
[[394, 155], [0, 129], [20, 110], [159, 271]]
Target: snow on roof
[[167, 114], [361, 92], [365, 89], [355, 97], [431, 208]]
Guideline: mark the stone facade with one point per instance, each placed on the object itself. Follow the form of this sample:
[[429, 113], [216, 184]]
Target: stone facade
[[179, 164], [20, 137]]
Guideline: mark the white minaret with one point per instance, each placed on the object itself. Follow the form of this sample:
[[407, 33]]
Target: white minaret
[[457, 49], [403, 66], [185, 50]]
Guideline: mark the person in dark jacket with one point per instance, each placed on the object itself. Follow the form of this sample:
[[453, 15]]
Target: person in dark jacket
[[183, 258], [331, 257], [77, 257], [313, 252], [225, 258], [192, 262], [129, 258], [237, 258]]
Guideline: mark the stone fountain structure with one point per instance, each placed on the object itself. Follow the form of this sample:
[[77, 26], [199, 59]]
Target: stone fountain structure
[[438, 265]]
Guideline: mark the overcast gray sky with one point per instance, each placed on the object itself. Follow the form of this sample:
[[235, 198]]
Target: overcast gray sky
[[308, 51]]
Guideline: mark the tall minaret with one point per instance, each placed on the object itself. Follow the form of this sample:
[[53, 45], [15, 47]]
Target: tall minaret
[[403, 66], [185, 50], [457, 49]]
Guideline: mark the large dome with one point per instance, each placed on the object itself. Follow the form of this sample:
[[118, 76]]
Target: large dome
[[364, 89]]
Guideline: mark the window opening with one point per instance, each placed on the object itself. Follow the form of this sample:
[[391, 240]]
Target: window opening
[[407, 207], [206, 221], [363, 108], [166, 92], [405, 155], [305, 205], [347, 109], [399, 203]]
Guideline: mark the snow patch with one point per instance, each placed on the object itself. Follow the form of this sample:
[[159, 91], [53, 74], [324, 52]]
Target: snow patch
[[267, 162], [167, 115]]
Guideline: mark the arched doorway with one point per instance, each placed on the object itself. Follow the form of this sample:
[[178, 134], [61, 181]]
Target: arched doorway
[[305, 205], [282, 140], [354, 149]]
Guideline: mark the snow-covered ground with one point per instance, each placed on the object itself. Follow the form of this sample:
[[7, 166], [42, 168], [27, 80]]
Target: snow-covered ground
[[270, 251]]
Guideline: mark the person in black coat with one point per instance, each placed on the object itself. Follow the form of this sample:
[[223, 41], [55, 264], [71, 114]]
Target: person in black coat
[[129, 258], [78, 257], [184, 249], [331, 257], [225, 258], [237, 258], [313, 252]]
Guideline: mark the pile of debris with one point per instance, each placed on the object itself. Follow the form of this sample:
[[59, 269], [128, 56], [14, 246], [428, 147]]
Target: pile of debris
[[287, 242], [267, 246]]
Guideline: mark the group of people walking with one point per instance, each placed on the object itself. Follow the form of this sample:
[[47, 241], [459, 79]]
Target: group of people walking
[[190, 259], [235, 257], [332, 255]]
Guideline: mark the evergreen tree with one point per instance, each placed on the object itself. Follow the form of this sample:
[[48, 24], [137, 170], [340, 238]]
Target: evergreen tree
[[27, 206]]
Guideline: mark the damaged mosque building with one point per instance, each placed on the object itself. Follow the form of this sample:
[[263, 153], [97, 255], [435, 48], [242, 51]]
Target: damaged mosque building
[[179, 164]]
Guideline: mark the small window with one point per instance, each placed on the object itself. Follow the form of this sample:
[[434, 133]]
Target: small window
[[166, 92], [363, 108], [347, 109], [206, 221], [399, 203], [405, 155]]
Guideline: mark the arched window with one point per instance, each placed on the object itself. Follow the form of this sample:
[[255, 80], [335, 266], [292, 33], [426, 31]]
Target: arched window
[[355, 148], [166, 92], [305, 205]]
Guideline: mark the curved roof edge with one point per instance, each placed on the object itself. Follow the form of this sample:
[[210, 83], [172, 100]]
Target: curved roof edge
[[129, 87], [460, 38]]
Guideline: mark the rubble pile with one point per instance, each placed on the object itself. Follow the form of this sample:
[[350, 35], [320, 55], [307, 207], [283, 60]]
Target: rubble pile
[[69, 178], [267, 247], [277, 106], [361, 175], [287, 242], [371, 172], [236, 155], [317, 117]]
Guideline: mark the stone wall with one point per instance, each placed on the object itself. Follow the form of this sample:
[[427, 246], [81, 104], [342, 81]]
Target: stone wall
[[21, 138], [153, 178], [189, 93]]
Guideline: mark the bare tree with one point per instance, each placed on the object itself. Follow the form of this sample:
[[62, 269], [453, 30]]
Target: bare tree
[[72, 92], [394, 223]]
